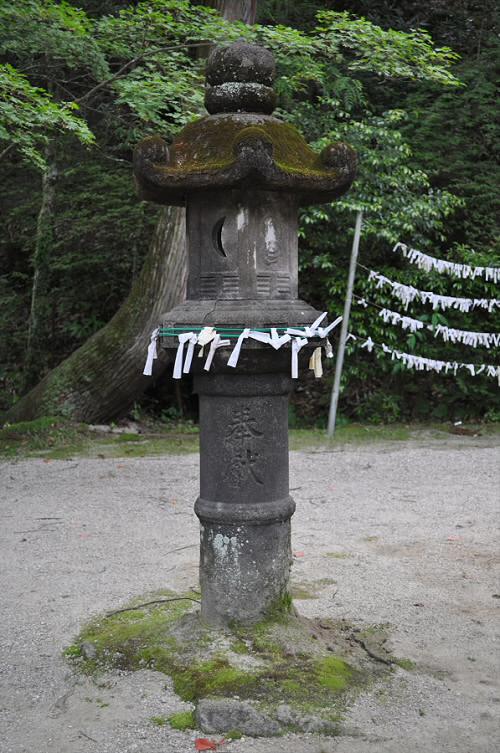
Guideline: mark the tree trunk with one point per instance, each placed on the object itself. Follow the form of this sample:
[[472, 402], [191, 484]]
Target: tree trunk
[[237, 10], [103, 378], [40, 309]]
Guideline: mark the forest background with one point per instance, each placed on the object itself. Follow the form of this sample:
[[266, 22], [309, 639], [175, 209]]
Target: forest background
[[410, 85]]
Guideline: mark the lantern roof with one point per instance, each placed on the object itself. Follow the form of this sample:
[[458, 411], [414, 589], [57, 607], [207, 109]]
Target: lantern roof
[[240, 144]]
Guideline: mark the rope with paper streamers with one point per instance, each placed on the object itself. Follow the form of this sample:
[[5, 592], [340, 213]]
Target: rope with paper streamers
[[420, 363], [407, 294], [276, 337], [448, 334], [430, 263]]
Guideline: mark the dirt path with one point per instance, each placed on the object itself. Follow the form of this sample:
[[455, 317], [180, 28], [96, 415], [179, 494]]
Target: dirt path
[[408, 532]]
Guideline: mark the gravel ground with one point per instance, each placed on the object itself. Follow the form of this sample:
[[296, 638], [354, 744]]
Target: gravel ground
[[409, 532]]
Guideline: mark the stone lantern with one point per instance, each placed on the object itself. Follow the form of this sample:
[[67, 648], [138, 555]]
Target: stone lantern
[[242, 175]]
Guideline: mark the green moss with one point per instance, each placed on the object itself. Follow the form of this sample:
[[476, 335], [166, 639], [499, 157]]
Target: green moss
[[333, 673], [72, 652], [233, 734], [210, 144], [160, 721], [58, 439], [41, 436], [132, 639], [239, 647], [215, 677], [30, 428], [407, 664], [182, 720], [285, 660], [291, 687]]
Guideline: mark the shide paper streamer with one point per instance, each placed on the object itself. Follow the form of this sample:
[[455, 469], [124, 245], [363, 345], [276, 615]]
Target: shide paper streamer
[[419, 363], [407, 294], [298, 337], [430, 264], [448, 334]]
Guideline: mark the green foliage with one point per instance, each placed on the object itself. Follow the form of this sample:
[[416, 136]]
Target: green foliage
[[387, 52], [456, 140], [51, 35], [29, 117], [110, 76]]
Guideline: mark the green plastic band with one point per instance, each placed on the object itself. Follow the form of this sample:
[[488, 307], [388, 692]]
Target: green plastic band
[[226, 332]]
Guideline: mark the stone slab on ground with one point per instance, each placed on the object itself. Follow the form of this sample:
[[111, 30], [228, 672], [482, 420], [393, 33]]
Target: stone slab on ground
[[408, 531]]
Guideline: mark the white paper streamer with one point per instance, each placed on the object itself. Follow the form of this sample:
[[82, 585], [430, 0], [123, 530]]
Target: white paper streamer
[[407, 294], [209, 335], [233, 358], [179, 356], [430, 263], [474, 339], [325, 331], [419, 363], [190, 352], [215, 343], [448, 334], [152, 353], [314, 330], [261, 337], [406, 322], [206, 334], [297, 344], [368, 344], [276, 340]]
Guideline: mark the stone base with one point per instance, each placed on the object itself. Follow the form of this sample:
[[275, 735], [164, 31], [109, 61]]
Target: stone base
[[244, 571]]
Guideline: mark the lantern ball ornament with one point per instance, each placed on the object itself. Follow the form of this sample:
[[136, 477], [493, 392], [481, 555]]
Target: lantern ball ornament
[[242, 175]]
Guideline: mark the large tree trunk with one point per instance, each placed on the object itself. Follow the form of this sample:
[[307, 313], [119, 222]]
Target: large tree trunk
[[103, 378]]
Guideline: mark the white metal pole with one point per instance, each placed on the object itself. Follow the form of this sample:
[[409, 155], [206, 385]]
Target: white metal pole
[[345, 324]]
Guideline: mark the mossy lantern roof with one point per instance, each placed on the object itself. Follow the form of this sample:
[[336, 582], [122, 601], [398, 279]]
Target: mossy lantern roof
[[240, 144]]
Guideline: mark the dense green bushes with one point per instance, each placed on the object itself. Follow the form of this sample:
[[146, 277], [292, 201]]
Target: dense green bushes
[[427, 176]]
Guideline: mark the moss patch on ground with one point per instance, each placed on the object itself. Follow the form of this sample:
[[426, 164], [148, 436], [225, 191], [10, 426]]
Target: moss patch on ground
[[182, 720], [55, 438], [314, 666]]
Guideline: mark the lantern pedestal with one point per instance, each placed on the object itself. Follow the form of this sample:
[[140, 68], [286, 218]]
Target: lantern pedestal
[[244, 505]]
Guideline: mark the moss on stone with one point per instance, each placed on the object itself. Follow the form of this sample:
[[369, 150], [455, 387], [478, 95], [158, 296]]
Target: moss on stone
[[210, 143], [132, 639], [215, 677], [233, 734], [315, 668]]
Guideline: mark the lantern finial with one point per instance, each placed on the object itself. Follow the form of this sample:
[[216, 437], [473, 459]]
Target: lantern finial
[[240, 79]]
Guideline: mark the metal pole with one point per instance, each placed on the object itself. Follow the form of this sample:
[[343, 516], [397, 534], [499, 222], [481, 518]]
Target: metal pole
[[345, 324]]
